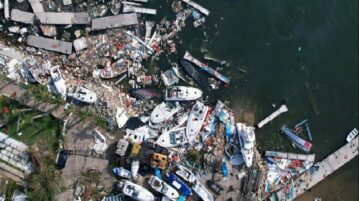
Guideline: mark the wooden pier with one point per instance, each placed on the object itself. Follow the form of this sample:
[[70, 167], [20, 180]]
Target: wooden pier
[[319, 171]]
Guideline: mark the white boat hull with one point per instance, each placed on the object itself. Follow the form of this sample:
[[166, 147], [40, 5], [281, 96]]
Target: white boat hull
[[135, 191], [58, 81], [185, 174], [83, 94], [195, 120], [202, 192], [183, 93], [247, 142], [121, 117], [162, 187], [163, 112], [173, 138]]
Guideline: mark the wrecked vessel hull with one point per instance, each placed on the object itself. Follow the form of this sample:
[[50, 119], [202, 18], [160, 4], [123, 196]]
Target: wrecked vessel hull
[[193, 72], [146, 93]]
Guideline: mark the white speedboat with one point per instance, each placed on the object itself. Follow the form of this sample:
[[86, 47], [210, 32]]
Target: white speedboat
[[135, 166], [121, 117], [247, 140], [185, 173], [82, 94], [140, 134], [352, 135], [58, 81], [163, 112], [135, 191], [196, 119], [122, 172], [173, 138], [182, 93], [202, 192], [164, 188]]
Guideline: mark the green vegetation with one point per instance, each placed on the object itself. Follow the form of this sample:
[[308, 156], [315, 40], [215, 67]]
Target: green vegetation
[[41, 93], [27, 125], [11, 186], [44, 184], [194, 156]]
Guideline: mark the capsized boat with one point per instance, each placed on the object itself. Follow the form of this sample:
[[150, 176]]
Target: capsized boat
[[182, 93], [146, 93], [195, 120], [58, 81], [173, 138], [163, 112], [135, 191], [202, 192], [298, 142], [34, 73], [121, 172], [82, 94], [206, 68], [352, 135], [162, 187], [178, 184], [114, 70], [193, 72], [185, 173], [121, 117], [247, 140]]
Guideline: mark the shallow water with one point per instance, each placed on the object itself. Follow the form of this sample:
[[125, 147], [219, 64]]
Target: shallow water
[[300, 52]]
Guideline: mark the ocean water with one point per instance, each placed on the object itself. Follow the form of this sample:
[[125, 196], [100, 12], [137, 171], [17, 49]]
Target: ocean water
[[302, 52]]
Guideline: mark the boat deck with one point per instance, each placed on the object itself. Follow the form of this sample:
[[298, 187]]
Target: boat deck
[[325, 167]]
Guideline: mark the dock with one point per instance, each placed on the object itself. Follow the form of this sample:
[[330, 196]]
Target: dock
[[21, 16], [319, 171], [197, 6], [291, 156], [64, 18], [49, 44], [114, 21]]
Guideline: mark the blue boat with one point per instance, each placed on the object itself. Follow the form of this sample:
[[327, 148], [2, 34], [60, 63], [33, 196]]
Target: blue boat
[[178, 184], [298, 142], [224, 169]]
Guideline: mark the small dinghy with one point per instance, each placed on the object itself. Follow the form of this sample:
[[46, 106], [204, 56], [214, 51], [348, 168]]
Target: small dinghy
[[82, 94], [202, 192], [196, 119], [121, 172], [163, 112], [114, 70], [178, 184], [173, 138], [121, 117], [58, 81], [182, 93], [185, 173], [352, 135], [162, 187], [135, 191]]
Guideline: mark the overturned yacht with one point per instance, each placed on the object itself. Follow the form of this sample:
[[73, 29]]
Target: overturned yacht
[[182, 93], [82, 94], [247, 140], [58, 81]]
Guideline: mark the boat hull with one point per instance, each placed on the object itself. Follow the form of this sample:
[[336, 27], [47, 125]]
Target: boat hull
[[183, 93], [193, 72]]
